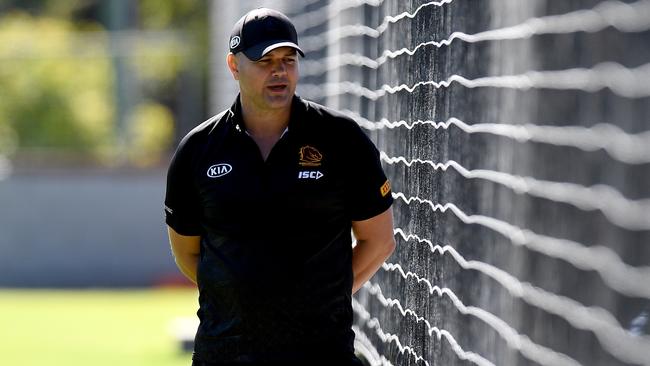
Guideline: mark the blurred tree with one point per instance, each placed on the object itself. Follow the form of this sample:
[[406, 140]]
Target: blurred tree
[[48, 98], [52, 8], [151, 127], [70, 86], [192, 17]]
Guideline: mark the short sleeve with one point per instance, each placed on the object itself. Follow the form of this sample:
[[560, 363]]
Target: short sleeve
[[369, 191], [182, 205]]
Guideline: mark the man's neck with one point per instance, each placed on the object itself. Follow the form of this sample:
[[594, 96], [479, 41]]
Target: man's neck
[[265, 123]]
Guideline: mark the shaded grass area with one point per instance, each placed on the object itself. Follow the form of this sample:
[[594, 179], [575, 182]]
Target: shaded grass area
[[93, 327]]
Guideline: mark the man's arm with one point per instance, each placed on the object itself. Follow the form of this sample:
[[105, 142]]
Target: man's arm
[[186, 251], [375, 243]]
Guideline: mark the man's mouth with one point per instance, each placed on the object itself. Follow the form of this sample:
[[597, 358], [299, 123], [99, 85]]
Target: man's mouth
[[278, 87]]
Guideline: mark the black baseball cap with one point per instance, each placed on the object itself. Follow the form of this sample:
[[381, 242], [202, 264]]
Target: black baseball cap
[[262, 30]]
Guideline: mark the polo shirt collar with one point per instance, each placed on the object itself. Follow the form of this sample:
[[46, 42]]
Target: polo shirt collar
[[298, 108]]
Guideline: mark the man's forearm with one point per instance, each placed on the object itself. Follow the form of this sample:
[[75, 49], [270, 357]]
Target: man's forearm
[[367, 257], [187, 264], [186, 250]]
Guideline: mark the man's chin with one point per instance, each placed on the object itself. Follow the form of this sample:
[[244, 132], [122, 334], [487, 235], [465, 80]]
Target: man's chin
[[279, 101]]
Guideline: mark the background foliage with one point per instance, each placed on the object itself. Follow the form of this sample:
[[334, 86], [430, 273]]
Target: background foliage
[[92, 81]]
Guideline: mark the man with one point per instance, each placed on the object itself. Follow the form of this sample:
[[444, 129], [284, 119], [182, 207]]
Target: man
[[260, 203]]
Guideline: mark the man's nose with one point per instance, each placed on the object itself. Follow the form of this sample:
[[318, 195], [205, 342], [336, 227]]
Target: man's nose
[[279, 67]]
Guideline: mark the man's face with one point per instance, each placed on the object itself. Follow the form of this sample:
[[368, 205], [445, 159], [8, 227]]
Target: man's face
[[270, 82]]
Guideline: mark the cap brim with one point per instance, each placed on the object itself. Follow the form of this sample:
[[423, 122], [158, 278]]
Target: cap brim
[[258, 51]]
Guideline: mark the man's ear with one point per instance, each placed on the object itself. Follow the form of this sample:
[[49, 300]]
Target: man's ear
[[233, 65]]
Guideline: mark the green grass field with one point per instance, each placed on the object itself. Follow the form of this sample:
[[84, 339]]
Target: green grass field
[[99, 328]]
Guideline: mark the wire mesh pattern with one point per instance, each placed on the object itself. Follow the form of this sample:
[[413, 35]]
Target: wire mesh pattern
[[516, 134]]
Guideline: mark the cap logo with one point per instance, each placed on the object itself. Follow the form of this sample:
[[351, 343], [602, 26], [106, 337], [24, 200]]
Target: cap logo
[[235, 41]]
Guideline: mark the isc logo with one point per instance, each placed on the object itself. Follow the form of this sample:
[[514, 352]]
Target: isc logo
[[307, 174], [219, 170]]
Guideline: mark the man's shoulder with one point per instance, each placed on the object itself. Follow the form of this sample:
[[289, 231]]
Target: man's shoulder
[[321, 115], [211, 124], [206, 128]]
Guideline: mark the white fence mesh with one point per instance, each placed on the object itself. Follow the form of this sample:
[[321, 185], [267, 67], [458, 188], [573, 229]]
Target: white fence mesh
[[516, 134]]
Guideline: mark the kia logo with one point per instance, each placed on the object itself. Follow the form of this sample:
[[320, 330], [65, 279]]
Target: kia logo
[[219, 170]]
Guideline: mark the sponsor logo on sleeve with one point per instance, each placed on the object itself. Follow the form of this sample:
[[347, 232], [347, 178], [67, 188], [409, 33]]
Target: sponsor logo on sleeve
[[219, 170], [385, 189], [310, 156]]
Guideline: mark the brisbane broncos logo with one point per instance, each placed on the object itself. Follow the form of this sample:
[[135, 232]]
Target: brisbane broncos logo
[[309, 156]]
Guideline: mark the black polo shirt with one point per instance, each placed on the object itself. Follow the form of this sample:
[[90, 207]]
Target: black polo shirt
[[274, 274]]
